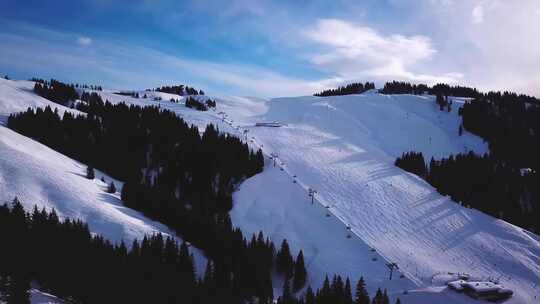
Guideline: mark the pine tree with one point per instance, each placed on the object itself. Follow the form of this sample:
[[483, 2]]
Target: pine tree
[[90, 174], [362, 296], [300, 273], [310, 296], [348, 292], [111, 188], [287, 295], [284, 260]]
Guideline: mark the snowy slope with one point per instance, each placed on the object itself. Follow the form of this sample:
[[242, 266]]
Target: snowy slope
[[344, 147], [38, 175], [17, 96]]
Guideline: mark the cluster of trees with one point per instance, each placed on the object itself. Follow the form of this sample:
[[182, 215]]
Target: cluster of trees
[[198, 105], [86, 268], [179, 90], [56, 91], [401, 87], [336, 292], [483, 182], [412, 162], [90, 87], [510, 123], [353, 88], [290, 268], [156, 269], [129, 93], [76, 85]]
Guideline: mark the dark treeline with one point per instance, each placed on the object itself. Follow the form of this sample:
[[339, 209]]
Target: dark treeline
[[196, 104], [505, 183], [400, 87], [65, 259], [56, 91], [128, 93], [179, 90], [336, 292], [76, 85], [84, 268], [353, 88], [510, 123], [412, 162], [482, 182]]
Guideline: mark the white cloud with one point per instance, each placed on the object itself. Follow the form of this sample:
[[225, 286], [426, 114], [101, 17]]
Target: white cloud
[[353, 51], [478, 14], [84, 41]]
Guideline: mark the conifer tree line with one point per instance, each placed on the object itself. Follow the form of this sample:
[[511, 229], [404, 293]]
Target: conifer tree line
[[76, 85], [484, 183], [196, 104], [353, 88], [128, 93], [56, 91], [64, 258], [412, 162], [505, 182], [179, 90], [401, 87], [338, 291]]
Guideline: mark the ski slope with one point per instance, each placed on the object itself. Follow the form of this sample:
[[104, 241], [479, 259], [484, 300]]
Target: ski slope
[[344, 147], [38, 175]]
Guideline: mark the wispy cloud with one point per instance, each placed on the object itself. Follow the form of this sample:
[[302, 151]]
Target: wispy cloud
[[84, 41], [353, 50], [125, 66]]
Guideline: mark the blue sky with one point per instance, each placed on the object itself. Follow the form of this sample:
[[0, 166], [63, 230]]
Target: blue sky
[[273, 48]]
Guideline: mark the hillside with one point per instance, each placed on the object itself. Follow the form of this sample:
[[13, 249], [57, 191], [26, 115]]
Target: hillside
[[344, 147], [38, 175]]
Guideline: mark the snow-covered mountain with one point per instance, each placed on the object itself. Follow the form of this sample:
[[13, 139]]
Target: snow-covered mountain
[[38, 175], [366, 212]]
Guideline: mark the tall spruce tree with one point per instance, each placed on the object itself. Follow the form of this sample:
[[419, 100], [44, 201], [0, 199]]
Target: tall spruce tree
[[300, 272], [284, 260], [362, 296]]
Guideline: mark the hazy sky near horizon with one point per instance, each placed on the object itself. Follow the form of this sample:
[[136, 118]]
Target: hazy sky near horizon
[[273, 48]]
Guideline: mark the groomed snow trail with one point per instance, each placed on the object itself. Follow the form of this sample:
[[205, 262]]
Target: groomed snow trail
[[344, 147]]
